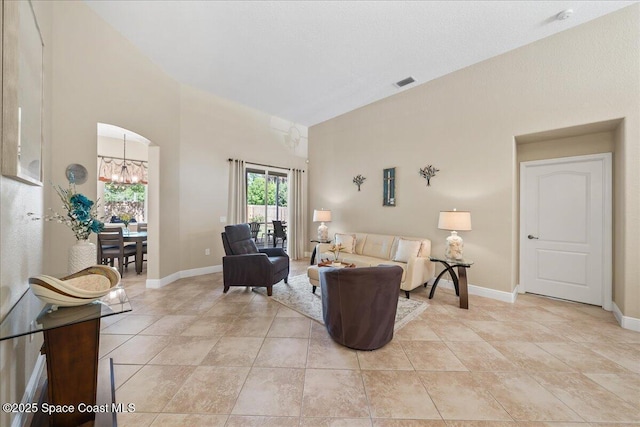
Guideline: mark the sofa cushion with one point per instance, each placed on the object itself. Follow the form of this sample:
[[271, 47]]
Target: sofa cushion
[[360, 239], [407, 249], [367, 261], [378, 246], [360, 260], [348, 241]]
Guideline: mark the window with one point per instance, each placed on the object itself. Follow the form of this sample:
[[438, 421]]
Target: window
[[267, 193], [129, 198]]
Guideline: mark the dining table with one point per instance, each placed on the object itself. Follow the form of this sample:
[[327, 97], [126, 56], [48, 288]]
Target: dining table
[[139, 237]]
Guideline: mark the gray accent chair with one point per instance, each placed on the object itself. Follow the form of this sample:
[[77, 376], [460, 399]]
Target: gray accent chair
[[359, 304], [245, 265]]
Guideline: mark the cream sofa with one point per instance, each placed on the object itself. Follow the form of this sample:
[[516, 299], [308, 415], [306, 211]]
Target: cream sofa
[[375, 249]]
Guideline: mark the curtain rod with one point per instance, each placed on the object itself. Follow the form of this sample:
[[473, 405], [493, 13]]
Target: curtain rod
[[266, 166], [121, 158]]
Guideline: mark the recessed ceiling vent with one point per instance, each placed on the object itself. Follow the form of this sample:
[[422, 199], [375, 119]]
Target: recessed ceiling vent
[[405, 82]]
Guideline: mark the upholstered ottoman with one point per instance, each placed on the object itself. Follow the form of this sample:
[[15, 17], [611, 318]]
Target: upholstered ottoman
[[313, 272], [314, 276]]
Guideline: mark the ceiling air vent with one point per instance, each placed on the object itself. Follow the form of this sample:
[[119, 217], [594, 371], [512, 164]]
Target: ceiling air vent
[[405, 82]]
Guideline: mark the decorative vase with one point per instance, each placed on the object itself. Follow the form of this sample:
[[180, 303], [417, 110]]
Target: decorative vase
[[82, 255]]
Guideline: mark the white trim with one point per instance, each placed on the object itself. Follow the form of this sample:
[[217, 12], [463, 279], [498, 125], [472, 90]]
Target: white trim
[[607, 238], [626, 322], [21, 418], [159, 283], [483, 292]]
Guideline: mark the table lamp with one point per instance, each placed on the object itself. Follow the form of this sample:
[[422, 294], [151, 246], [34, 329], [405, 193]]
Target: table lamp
[[454, 221], [322, 216]]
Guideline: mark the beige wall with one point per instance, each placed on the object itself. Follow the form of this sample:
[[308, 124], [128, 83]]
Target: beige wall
[[93, 75], [582, 145], [212, 131], [465, 124], [21, 251], [99, 77]]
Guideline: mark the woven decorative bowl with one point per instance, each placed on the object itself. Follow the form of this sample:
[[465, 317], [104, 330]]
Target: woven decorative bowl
[[80, 288]]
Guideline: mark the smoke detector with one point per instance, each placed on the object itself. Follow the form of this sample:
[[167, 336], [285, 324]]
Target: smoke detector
[[565, 14]]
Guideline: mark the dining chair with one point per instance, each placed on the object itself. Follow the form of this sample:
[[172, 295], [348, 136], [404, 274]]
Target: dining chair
[[278, 233], [255, 229], [142, 226], [111, 247]]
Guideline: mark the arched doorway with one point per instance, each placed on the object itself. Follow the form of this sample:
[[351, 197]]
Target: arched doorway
[[124, 185]]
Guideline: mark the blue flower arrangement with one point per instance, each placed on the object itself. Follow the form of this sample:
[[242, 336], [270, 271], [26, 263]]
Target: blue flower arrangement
[[81, 217]]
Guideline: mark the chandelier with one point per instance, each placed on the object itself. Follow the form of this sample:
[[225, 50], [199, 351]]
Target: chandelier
[[125, 176]]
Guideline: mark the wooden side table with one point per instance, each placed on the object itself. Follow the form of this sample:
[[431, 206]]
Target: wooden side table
[[459, 281]]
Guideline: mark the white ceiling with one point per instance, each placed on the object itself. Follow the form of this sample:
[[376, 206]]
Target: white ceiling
[[310, 61]]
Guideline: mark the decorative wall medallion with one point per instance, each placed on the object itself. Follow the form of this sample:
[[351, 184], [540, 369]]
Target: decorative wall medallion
[[428, 173], [76, 174]]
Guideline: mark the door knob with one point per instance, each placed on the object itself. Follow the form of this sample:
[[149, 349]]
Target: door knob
[[531, 237]]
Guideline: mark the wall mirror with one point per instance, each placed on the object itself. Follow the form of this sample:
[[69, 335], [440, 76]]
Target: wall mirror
[[22, 88], [389, 187]]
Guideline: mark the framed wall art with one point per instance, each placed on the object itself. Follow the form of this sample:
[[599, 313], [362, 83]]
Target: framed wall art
[[22, 89], [389, 187]]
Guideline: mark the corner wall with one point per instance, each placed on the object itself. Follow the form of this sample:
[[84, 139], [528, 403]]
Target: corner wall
[[21, 250], [99, 76], [464, 124], [212, 131]]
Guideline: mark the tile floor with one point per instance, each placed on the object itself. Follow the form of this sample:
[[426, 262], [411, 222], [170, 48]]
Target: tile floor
[[189, 355]]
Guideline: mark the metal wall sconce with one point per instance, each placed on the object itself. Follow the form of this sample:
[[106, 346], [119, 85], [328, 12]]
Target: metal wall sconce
[[428, 173], [358, 180]]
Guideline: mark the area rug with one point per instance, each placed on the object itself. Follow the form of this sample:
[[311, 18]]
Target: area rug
[[297, 296]]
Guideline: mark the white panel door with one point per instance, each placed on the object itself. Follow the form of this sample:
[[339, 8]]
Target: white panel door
[[565, 228]]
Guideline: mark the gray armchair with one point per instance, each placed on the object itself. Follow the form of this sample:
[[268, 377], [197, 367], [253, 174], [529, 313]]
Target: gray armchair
[[359, 304], [245, 265]]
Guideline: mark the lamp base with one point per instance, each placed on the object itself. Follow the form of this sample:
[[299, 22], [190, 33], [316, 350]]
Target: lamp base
[[323, 232], [454, 247]]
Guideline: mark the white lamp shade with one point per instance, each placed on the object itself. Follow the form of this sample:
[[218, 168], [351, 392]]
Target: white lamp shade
[[455, 220], [320, 215]]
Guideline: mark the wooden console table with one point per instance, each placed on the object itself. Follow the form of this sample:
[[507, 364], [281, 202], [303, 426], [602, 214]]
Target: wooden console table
[[71, 344]]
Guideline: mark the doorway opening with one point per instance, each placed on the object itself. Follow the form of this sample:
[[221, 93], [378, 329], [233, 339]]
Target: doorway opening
[[551, 167], [123, 185], [267, 192]]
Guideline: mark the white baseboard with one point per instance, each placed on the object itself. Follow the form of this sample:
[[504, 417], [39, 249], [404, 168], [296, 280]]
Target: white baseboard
[[159, 283], [22, 418], [484, 292], [626, 322]]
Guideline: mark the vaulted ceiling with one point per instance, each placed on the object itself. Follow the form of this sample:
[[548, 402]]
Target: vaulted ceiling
[[310, 61]]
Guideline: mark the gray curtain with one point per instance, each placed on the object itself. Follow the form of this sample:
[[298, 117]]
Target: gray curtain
[[297, 238], [237, 205]]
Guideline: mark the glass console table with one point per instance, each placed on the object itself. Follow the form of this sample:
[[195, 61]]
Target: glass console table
[[71, 344]]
